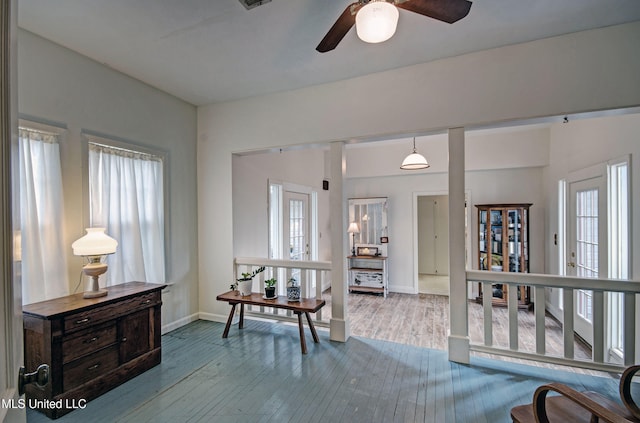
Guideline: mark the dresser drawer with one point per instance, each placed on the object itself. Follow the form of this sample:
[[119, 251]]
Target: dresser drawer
[[90, 367], [90, 317], [368, 279], [88, 341]]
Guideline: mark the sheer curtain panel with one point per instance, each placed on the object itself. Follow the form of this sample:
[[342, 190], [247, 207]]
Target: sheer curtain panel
[[126, 197], [42, 250]]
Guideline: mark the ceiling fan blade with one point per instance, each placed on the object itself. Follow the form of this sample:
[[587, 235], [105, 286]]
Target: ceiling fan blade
[[448, 11], [340, 28]]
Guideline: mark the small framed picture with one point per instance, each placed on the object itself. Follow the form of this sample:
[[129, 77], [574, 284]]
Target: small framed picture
[[384, 239], [367, 251]]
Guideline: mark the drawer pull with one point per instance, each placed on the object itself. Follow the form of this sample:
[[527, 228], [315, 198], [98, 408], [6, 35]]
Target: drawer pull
[[85, 320], [145, 302], [124, 339], [94, 339], [95, 366]]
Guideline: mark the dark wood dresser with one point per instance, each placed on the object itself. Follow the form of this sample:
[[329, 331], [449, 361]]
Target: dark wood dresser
[[91, 345]]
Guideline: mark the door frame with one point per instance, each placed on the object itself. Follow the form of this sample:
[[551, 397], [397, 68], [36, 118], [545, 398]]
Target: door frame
[[414, 231], [598, 175], [11, 341]]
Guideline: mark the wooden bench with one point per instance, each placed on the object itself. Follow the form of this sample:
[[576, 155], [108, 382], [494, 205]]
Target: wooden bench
[[306, 306]]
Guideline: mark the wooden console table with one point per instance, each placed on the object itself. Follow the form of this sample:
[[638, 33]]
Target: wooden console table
[[305, 305], [91, 345]]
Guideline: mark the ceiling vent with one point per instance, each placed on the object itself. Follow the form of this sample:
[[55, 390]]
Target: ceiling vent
[[250, 4]]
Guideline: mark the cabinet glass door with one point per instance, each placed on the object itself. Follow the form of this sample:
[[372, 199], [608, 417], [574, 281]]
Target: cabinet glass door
[[482, 225], [496, 241], [514, 228]]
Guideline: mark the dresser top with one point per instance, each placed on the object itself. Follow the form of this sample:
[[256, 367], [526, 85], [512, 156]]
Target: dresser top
[[72, 303]]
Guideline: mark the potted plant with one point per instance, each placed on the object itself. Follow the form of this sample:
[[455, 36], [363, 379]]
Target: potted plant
[[244, 284], [293, 290], [270, 288]]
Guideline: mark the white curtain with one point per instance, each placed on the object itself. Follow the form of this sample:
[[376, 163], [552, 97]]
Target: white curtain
[[42, 250], [126, 196]]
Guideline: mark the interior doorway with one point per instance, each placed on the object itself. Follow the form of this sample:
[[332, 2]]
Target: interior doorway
[[433, 244]]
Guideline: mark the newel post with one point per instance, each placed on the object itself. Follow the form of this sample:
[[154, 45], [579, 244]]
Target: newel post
[[458, 312]]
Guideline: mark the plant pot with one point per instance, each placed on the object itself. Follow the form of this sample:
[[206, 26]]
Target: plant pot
[[293, 293], [270, 291], [244, 287]]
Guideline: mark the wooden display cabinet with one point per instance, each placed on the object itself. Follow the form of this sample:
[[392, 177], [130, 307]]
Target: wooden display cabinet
[[503, 246]]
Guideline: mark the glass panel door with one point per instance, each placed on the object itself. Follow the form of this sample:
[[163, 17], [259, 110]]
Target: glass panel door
[[296, 228], [584, 253]]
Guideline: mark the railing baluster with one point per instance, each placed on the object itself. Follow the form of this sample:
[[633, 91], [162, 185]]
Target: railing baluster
[[597, 324], [567, 324], [319, 283], [540, 304], [629, 325], [487, 305], [512, 304]]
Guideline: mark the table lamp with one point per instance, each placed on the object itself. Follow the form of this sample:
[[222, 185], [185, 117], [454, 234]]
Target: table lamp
[[353, 230], [94, 245]]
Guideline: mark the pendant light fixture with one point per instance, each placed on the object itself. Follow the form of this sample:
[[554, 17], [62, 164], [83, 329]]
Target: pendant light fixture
[[414, 161], [376, 21]]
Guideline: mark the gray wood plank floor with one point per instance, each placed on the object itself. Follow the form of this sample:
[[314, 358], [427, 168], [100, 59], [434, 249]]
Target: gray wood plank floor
[[259, 375]]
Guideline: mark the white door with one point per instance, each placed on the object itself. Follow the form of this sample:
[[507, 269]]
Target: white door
[[587, 245], [433, 235], [296, 228]]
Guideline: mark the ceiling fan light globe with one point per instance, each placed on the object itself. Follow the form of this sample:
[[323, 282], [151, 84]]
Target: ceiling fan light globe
[[377, 21], [414, 161]]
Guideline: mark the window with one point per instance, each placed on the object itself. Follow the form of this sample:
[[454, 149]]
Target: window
[[619, 248], [587, 247], [126, 195], [44, 275]]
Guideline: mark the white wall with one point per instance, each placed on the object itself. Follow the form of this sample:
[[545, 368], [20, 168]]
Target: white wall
[[583, 143], [553, 76], [251, 174], [60, 86]]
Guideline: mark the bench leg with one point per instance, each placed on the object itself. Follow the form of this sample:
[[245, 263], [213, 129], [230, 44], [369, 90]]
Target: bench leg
[[303, 342], [241, 324], [312, 328], [226, 328]]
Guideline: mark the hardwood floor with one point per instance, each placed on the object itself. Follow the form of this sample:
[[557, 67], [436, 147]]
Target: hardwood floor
[[259, 375], [423, 320]]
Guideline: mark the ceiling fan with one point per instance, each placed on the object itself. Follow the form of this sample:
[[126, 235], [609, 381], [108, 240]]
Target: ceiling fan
[[448, 11]]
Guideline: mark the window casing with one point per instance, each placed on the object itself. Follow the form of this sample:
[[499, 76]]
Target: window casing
[[44, 275], [127, 196]]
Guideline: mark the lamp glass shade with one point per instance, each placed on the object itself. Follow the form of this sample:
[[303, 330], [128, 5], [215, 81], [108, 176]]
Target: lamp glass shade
[[376, 21], [94, 243], [353, 228], [414, 161]]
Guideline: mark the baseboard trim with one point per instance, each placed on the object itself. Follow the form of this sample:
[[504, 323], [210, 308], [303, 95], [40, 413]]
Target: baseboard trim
[[402, 289], [179, 323], [214, 317]]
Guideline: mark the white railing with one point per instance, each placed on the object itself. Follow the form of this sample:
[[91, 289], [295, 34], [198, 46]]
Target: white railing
[[312, 276], [539, 284]]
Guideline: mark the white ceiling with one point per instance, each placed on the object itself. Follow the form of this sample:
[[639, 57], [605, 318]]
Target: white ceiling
[[209, 51]]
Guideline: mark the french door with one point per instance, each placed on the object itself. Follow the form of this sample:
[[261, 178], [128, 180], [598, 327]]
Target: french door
[[587, 245], [296, 229], [296, 225]]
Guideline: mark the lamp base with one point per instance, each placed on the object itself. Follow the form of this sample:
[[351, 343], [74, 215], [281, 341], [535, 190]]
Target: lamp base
[[95, 294], [94, 269]]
